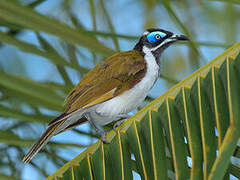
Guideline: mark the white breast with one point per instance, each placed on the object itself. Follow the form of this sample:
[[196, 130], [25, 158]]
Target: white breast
[[132, 98]]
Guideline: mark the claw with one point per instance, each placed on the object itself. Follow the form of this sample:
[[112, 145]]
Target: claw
[[103, 139], [118, 123]]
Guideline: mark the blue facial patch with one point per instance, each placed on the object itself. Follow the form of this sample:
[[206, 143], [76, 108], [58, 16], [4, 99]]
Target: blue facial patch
[[155, 36]]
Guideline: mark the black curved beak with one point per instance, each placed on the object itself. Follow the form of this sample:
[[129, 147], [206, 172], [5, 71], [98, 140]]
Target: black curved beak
[[180, 38]]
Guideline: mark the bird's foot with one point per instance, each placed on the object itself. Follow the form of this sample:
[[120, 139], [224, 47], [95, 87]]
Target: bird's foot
[[118, 123], [102, 136], [103, 139]]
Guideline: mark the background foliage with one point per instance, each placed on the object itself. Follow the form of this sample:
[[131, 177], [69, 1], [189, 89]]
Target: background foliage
[[47, 46]]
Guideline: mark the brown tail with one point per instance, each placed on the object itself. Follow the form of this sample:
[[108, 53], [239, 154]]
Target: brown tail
[[41, 142], [73, 125]]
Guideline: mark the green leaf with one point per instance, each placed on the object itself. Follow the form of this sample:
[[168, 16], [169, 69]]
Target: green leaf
[[21, 116], [47, 47], [30, 48], [174, 16], [180, 124], [6, 177], [110, 25], [26, 17], [229, 1], [31, 89], [9, 138]]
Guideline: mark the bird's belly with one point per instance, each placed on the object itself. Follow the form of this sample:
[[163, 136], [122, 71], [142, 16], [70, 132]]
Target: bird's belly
[[125, 102]]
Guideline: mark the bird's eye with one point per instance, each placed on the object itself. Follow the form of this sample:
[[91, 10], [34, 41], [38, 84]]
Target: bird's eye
[[155, 36]]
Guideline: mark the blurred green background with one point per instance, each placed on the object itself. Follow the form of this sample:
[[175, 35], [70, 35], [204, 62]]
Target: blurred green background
[[46, 47]]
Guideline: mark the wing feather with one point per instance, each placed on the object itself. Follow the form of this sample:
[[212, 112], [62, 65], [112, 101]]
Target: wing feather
[[108, 79]]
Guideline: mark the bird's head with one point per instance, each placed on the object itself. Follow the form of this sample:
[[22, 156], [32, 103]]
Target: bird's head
[[156, 40]]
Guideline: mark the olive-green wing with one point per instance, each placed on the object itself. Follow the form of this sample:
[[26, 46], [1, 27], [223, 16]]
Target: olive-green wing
[[107, 80]]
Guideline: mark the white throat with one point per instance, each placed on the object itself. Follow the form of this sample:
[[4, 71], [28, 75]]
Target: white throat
[[149, 57], [152, 66]]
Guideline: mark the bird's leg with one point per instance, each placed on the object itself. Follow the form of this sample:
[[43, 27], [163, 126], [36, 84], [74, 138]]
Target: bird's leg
[[99, 131], [118, 123]]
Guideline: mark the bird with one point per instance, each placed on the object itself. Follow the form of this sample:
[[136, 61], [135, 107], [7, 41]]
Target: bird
[[112, 89]]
